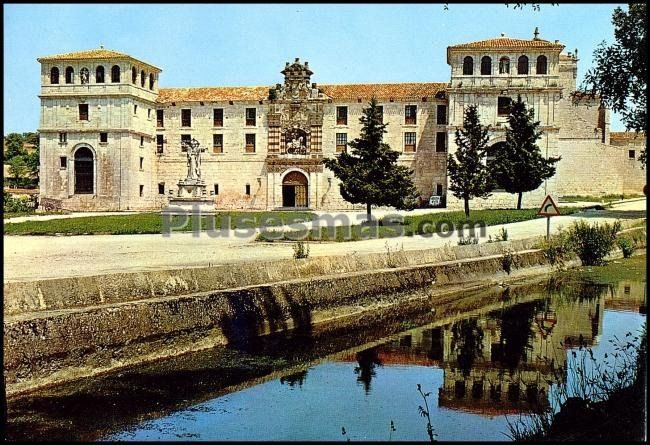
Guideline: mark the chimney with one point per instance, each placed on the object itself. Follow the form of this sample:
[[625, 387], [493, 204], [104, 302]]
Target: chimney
[[503, 34], [536, 33], [297, 59]]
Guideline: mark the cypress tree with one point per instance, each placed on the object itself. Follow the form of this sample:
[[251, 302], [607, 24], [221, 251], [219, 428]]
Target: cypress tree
[[519, 165], [468, 176], [369, 174]]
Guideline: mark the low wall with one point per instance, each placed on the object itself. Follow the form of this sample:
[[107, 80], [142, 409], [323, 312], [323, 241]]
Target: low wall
[[63, 293], [53, 346]]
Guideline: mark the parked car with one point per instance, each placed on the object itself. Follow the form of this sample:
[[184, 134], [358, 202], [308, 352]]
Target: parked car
[[435, 201]]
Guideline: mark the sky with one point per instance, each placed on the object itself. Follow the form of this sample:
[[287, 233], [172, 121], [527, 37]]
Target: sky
[[249, 44]]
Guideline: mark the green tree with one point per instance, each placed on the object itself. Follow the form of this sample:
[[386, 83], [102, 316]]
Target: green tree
[[468, 176], [370, 174], [14, 146], [18, 168], [519, 166], [621, 72]]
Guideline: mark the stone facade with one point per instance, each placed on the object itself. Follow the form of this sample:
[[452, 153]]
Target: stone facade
[[115, 143]]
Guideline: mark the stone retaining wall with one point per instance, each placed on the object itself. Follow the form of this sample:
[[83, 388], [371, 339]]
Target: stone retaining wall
[[53, 346], [62, 293]]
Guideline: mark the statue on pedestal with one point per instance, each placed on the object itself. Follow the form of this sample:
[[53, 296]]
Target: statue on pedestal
[[193, 151]]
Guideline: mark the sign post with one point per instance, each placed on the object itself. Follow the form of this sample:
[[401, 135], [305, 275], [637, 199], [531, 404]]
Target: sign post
[[548, 209]]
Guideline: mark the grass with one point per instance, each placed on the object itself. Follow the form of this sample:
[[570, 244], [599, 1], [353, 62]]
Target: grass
[[633, 268], [8, 215], [604, 198], [412, 225], [143, 223]]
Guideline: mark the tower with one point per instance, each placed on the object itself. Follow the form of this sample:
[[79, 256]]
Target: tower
[[97, 131]]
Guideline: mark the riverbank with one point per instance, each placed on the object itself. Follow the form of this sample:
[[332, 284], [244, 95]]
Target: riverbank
[[64, 329]]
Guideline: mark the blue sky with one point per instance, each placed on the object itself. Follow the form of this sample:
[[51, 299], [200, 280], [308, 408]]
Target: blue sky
[[231, 45]]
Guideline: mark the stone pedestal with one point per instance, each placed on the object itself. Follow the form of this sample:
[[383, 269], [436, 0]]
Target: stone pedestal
[[191, 199]]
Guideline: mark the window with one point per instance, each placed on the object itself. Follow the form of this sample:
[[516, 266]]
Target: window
[[631, 154], [441, 142], [141, 163], [134, 75], [250, 143], [217, 143], [141, 141], [151, 81], [69, 75], [148, 113], [250, 117], [503, 106], [441, 115], [341, 142], [216, 189], [103, 137], [248, 189], [161, 188], [380, 112], [341, 115], [186, 118], [115, 74], [63, 162], [468, 66], [438, 189], [160, 143], [409, 142], [504, 65], [486, 66], [141, 191], [522, 65], [160, 118], [99, 74], [54, 76], [143, 76], [410, 114], [541, 65], [135, 109], [63, 138], [83, 112], [185, 139], [217, 117]]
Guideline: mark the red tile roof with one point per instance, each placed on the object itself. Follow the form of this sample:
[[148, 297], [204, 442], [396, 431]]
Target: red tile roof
[[626, 135], [383, 90], [507, 42], [99, 53], [347, 91]]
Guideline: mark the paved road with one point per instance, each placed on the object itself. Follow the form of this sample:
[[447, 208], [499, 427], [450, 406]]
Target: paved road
[[40, 257]]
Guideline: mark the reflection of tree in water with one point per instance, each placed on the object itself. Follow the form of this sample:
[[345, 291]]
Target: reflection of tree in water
[[468, 341], [292, 380], [367, 361], [515, 334]]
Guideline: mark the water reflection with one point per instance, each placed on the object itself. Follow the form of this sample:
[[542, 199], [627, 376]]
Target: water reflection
[[482, 357]]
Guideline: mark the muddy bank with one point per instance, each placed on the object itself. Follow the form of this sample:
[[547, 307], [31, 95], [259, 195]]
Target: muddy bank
[[47, 347]]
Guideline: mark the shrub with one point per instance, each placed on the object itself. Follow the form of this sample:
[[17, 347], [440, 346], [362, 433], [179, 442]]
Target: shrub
[[501, 236], [592, 243], [300, 250], [626, 246], [11, 204], [462, 241], [558, 249]]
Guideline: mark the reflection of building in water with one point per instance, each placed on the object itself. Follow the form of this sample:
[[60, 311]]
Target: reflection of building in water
[[627, 296], [501, 362]]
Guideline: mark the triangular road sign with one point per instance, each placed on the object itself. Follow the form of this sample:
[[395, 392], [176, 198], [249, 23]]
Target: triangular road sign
[[548, 207]]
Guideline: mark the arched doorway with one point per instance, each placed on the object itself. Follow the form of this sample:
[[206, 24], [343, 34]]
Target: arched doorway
[[295, 190], [84, 174]]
